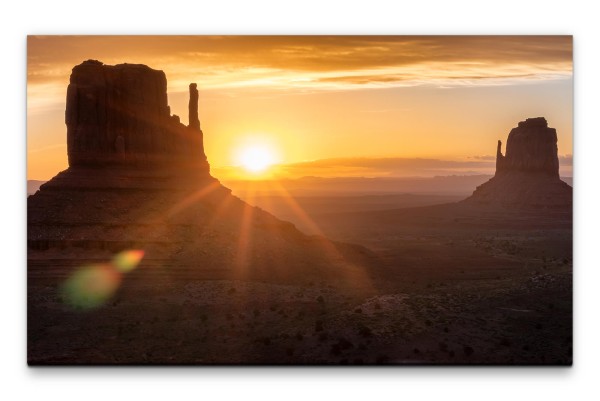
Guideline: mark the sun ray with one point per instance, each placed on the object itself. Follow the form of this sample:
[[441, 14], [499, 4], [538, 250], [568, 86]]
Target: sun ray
[[242, 258], [295, 207], [191, 199], [353, 273]]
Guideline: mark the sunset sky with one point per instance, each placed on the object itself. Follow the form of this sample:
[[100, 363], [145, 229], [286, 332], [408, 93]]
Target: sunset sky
[[327, 106]]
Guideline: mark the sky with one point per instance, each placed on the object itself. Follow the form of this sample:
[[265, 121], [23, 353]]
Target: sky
[[327, 105]]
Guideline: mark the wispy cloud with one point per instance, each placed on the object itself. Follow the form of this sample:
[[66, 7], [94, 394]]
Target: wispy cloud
[[402, 167], [483, 157], [372, 167], [315, 62]]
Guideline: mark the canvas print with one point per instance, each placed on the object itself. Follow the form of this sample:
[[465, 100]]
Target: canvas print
[[299, 200]]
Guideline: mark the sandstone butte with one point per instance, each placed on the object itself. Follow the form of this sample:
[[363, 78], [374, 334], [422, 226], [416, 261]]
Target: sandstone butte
[[527, 175], [138, 178]]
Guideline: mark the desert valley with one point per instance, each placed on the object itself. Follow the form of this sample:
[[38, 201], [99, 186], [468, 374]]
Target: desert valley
[[137, 254]]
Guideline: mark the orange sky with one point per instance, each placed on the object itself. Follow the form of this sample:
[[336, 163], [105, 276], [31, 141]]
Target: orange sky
[[371, 106]]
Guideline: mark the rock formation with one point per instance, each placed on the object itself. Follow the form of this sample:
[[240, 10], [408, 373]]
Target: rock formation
[[194, 122], [531, 148], [126, 152], [120, 115], [527, 175], [139, 179]]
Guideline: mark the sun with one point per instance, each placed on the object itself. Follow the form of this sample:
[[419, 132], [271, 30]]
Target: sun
[[256, 159]]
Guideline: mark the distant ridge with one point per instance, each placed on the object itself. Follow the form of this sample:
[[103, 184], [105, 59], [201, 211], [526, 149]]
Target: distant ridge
[[33, 186]]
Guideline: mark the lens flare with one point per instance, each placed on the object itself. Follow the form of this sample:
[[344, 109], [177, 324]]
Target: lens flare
[[126, 261], [91, 286]]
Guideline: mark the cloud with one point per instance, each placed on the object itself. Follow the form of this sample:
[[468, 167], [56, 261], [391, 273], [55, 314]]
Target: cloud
[[386, 167], [484, 157], [316, 62], [399, 167]]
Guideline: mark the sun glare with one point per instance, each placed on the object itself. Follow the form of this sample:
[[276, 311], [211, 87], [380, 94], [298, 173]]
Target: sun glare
[[256, 159]]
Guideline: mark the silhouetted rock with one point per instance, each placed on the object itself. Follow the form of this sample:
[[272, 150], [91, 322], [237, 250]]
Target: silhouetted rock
[[130, 160], [120, 114], [531, 148], [193, 108], [139, 179], [527, 176]]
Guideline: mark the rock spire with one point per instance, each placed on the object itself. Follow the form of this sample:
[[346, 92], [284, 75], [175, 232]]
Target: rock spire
[[194, 121]]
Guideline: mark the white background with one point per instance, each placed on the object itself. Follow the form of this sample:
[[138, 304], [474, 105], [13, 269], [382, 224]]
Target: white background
[[18, 19]]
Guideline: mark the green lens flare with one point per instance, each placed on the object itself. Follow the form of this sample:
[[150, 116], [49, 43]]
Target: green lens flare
[[126, 261], [90, 287]]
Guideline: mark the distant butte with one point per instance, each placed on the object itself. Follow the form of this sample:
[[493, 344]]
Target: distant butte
[[527, 175]]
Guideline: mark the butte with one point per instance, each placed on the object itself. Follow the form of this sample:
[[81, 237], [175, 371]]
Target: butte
[[139, 179], [527, 175], [526, 192]]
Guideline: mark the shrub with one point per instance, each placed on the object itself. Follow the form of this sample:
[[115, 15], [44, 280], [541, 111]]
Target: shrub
[[344, 344], [319, 325], [365, 331]]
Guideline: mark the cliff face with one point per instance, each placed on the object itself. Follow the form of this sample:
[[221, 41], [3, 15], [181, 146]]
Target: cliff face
[[120, 115], [527, 176]]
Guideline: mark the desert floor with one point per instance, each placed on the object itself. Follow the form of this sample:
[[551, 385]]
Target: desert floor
[[450, 285]]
